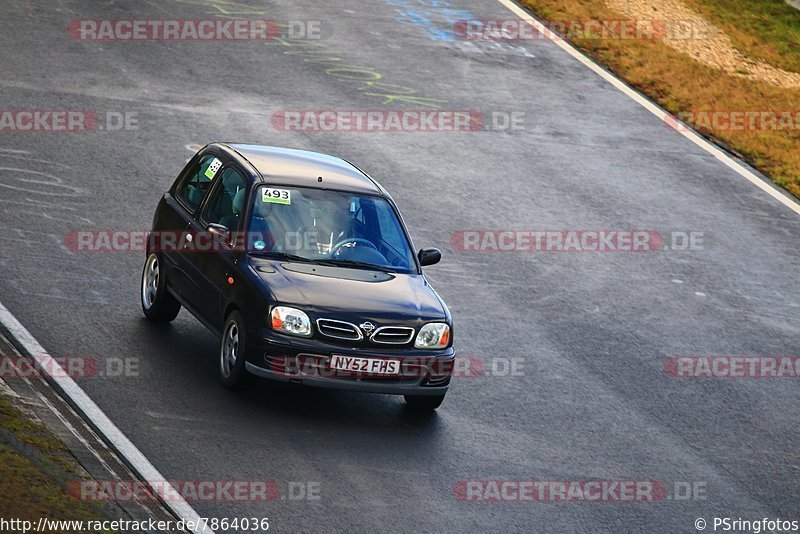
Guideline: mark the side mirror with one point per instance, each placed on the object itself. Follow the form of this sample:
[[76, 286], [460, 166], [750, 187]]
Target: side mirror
[[219, 231], [429, 256]]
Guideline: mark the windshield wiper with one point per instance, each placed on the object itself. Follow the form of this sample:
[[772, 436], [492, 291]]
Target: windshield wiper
[[335, 263], [353, 263], [283, 256]]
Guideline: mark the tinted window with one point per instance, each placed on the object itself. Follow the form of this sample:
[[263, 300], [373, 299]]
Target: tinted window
[[390, 229], [226, 204], [195, 186]]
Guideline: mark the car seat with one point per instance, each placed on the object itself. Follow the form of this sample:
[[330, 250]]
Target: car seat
[[232, 221]]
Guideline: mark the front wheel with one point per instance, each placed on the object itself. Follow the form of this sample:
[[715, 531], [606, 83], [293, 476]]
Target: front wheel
[[157, 304], [424, 403], [232, 353]]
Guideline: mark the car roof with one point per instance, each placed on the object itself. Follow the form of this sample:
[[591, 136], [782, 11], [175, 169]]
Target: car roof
[[288, 166]]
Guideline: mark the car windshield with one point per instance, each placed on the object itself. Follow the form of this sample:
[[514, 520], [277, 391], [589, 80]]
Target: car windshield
[[332, 227]]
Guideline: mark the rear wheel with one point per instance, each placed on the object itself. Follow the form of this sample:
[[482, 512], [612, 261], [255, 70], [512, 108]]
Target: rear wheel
[[425, 403], [157, 304], [232, 353]]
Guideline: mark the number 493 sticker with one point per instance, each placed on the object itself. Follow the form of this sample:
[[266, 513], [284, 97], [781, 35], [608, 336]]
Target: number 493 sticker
[[276, 196]]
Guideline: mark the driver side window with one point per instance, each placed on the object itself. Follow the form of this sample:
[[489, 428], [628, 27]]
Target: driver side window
[[226, 204]]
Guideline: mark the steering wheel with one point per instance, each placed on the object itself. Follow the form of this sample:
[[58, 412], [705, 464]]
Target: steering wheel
[[335, 248]]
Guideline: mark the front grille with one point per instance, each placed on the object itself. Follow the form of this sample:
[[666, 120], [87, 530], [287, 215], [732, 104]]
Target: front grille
[[393, 335], [339, 329]]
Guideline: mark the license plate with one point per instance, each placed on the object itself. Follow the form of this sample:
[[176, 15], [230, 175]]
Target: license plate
[[378, 366]]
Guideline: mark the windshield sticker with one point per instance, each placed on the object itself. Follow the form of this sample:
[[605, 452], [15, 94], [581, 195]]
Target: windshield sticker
[[212, 169], [276, 196]]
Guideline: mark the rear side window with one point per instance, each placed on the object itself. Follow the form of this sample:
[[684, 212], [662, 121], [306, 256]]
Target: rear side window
[[194, 187]]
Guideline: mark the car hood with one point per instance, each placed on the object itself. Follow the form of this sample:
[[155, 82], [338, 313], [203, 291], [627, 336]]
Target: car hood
[[350, 294]]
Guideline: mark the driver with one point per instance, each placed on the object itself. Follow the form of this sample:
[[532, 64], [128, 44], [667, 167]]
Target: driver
[[331, 222]]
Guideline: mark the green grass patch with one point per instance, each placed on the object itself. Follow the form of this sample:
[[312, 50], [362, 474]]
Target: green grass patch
[[768, 30], [35, 468]]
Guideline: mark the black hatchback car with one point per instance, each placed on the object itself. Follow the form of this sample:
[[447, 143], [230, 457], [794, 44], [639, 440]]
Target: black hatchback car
[[302, 265]]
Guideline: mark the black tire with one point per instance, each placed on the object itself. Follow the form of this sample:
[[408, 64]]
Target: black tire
[[157, 303], [233, 374], [424, 403]]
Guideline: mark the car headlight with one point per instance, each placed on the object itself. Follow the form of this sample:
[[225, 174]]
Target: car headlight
[[290, 321], [433, 336]]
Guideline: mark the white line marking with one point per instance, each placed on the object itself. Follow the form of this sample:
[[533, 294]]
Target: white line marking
[[44, 401], [5, 389], [653, 108], [140, 464], [25, 158]]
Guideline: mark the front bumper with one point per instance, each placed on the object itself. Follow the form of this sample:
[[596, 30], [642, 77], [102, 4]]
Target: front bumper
[[307, 361]]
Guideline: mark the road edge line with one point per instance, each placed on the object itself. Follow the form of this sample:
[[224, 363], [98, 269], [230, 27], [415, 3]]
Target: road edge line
[[85, 406], [737, 166]]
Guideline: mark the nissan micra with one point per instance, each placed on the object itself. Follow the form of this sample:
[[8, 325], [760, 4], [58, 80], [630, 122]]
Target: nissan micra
[[303, 267]]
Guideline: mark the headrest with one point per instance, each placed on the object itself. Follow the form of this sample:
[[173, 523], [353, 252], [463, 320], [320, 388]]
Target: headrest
[[238, 202]]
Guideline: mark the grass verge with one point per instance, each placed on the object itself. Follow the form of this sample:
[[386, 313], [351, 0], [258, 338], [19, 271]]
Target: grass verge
[[765, 30], [35, 468]]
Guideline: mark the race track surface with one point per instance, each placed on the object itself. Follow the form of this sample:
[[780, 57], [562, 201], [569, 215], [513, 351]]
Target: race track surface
[[591, 399]]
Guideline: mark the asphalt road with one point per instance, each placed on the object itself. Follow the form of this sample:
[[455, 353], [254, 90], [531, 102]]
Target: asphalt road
[[592, 400]]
